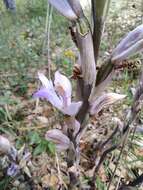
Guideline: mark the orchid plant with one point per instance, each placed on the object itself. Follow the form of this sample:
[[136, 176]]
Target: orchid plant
[[90, 84]]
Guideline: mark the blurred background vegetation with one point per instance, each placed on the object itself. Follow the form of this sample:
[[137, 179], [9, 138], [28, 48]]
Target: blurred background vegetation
[[22, 38], [22, 34]]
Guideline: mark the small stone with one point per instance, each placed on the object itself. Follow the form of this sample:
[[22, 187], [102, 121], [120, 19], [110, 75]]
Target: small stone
[[16, 183]]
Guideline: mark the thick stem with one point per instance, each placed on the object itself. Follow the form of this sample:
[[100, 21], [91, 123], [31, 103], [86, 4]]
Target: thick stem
[[99, 11], [133, 183], [97, 36], [72, 156]]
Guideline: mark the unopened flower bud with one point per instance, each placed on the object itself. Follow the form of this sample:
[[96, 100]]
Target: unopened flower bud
[[5, 145], [61, 141]]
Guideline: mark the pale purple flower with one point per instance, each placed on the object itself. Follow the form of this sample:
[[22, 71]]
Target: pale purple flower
[[61, 141], [106, 99], [13, 170], [132, 43], [59, 94]]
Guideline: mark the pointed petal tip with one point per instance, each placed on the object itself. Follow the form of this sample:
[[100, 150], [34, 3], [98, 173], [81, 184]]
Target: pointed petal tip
[[44, 80], [64, 8]]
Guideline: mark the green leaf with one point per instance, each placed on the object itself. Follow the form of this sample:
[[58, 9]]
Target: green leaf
[[2, 115], [39, 149], [4, 183], [51, 148], [100, 184], [42, 145], [48, 146], [65, 62], [34, 138]]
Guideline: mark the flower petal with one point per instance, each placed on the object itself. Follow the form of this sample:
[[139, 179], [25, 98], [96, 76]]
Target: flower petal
[[45, 82], [98, 90], [135, 48], [61, 141], [105, 100], [5, 145], [128, 41], [64, 8], [48, 91], [72, 109], [76, 6], [63, 87], [13, 170], [50, 95]]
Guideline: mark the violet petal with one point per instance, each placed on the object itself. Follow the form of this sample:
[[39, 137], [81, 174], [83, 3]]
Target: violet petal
[[72, 109], [63, 87], [64, 8]]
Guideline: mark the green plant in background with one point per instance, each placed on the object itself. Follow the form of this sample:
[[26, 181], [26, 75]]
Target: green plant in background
[[4, 184], [41, 145], [100, 184]]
